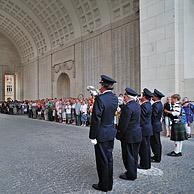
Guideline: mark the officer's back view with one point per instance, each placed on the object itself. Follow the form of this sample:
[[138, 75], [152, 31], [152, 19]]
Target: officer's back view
[[102, 133]]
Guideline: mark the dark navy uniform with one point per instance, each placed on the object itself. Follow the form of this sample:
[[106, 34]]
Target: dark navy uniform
[[146, 127], [102, 129], [157, 111], [129, 133]]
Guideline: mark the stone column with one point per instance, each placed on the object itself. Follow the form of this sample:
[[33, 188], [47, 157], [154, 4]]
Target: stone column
[[189, 48], [165, 44], [157, 44]]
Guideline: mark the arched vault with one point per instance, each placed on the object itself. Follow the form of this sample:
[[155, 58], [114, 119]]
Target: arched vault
[[38, 26]]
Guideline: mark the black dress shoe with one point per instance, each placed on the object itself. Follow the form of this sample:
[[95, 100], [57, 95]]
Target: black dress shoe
[[174, 154], [110, 189], [154, 160], [124, 176], [143, 168], [188, 135], [96, 186]]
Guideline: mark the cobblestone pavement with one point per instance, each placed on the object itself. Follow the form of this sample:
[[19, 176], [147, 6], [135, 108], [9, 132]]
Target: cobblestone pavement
[[38, 157]]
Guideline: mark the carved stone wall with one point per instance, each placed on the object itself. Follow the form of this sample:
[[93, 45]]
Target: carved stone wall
[[31, 81], [63, 62], [112, 50], [126, 58], [92, 61], [44, 71]]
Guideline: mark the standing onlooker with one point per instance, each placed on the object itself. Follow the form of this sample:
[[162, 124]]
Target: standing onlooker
[[90, 107], [30, 114], [189, 112], [167, 120], [77, 112], [178, 132], [46, 112], [68, 112], [84, 111], [157, 111], [73, 111], [34, 110], [11, 108], [129, 133]]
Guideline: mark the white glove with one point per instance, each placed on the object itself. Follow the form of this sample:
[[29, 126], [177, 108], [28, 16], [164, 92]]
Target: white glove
[[94, 141]]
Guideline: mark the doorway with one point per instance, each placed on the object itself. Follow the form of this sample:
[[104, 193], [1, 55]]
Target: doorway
[[63, 86], [9, 87]]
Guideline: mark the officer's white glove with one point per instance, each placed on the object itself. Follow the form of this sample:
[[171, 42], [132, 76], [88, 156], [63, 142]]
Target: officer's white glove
[[94, 141]]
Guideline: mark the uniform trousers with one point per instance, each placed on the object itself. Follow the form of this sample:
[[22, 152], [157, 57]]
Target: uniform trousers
[[145, 153], [130, 158], [156, 146], [104, 164]]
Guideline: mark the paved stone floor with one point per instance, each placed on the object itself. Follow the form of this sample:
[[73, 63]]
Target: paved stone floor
[[38, 157]]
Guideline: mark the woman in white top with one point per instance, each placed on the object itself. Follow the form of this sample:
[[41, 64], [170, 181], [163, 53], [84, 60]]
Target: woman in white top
[[68, 112]]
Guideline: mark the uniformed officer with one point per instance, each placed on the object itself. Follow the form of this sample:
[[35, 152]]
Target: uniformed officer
[[102, 133], [157, 111], [129, 133], [146, 127]]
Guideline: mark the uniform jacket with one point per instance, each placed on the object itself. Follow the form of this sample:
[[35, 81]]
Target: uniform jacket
[[102, 121], [157, 110], [129, 129], [145, 122]]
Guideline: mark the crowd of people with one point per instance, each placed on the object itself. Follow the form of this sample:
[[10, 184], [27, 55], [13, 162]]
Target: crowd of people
[[69, 110], [78, 111]]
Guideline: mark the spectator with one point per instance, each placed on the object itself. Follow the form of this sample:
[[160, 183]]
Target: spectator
[[167, 120], [189, 112], [68, 112], [178, 132], [83, 111], [77, 112]]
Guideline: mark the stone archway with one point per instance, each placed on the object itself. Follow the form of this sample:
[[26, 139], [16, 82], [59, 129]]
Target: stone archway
[[10, 64], [63, 86]]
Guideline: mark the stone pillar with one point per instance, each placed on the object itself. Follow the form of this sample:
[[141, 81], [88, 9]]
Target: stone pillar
[[125, 54], [167, 60], [157, 44], [30, 80], [189, 48]]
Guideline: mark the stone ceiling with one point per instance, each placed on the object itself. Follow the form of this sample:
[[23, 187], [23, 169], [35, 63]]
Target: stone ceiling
[[38, 26]]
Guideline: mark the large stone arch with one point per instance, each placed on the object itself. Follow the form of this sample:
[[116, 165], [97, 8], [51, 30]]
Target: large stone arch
[[10, 63]]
